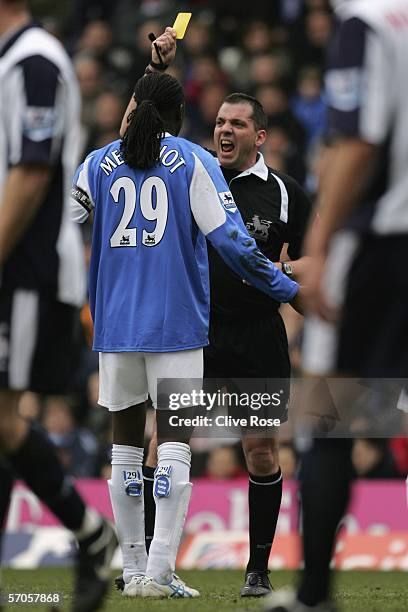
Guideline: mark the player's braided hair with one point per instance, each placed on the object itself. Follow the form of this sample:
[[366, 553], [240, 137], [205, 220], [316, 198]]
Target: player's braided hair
[[159, 99]]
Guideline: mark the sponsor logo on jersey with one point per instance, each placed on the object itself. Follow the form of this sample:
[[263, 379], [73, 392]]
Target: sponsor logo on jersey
[[227, 200]]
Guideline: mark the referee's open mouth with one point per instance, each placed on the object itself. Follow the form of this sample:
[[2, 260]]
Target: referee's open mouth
[[226, 145]]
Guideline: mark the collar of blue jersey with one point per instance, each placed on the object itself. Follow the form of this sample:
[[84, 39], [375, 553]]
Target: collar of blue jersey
[[259, 169]]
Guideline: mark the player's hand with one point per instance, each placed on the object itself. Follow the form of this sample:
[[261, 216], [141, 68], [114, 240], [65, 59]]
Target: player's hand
[[167, 46], [313, 295]]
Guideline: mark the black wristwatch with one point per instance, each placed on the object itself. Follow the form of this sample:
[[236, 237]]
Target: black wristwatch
[[287, 268]]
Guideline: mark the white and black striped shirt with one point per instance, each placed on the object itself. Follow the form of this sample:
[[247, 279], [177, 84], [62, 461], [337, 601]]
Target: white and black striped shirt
[[367, 89], [39, 124]]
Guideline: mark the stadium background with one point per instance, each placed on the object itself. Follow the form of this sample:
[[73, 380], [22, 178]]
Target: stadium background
[[275, 51]]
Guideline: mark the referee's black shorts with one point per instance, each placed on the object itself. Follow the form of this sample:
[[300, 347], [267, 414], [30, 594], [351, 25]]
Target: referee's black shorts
[[39, 340], [373, 335], [249, 356]]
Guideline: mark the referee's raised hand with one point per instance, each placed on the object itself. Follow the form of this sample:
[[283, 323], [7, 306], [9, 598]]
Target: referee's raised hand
[[166, 44]]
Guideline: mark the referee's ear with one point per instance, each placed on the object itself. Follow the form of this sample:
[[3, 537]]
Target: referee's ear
[[260, 137]]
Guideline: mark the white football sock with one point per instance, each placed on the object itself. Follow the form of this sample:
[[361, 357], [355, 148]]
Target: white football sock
[[126, 493], [172, 491]]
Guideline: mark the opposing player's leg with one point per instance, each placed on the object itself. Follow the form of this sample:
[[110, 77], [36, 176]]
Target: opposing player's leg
[[123, 390], [264, 497], [172, 486], [32, 457], [148, 481]]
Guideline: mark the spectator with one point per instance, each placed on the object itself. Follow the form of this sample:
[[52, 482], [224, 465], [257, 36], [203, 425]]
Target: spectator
[[287, 460], [108, 111], [275, 101], [308, 104], [223, 463], [76, 446], [372, 458], [89, 74]]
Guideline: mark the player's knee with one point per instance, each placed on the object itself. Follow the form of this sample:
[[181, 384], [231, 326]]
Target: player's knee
[[261, 460]]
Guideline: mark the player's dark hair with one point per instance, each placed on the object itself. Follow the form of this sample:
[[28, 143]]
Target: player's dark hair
[[258, 114], [160, 100]]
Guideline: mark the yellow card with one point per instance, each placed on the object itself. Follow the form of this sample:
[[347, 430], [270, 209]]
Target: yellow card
[[181, 23]]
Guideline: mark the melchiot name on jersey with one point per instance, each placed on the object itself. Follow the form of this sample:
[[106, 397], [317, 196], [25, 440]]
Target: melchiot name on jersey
[[169, 158]]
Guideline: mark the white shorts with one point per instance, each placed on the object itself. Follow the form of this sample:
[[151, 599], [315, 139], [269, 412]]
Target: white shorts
[[126, 379], [320, 338]]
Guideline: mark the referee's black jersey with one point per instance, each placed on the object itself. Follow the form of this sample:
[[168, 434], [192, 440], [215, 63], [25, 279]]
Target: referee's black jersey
[[275, 210], [39, 124]]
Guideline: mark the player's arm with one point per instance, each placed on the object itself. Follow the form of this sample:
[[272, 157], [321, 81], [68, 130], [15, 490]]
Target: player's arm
[[218, 218], [359, 121], [351, 164], [34, 144], [82, 202]]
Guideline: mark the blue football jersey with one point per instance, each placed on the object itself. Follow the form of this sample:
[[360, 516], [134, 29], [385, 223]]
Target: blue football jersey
[[148, 277]]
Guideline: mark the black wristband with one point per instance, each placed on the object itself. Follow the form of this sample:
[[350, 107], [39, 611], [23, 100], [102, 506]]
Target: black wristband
[[159, 66]]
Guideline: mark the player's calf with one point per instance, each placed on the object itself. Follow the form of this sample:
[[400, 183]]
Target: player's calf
[[172, 491]]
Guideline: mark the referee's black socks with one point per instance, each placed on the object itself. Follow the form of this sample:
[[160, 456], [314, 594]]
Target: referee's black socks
[[326, 475], [264, 496], [37, 462], [149, 504]]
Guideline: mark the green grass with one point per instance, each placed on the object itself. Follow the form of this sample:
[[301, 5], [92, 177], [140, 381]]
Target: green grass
[[355, 591]]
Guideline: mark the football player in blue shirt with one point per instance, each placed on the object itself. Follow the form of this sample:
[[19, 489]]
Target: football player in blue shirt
[[155, 199]]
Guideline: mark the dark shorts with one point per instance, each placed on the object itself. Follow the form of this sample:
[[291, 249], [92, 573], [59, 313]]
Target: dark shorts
[[250, 358], [373, 335], [39, 340]]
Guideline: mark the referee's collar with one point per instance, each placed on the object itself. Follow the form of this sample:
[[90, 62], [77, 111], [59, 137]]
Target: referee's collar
[[259, 169]]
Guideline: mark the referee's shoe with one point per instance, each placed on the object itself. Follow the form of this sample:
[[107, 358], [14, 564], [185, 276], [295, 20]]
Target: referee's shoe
[[256, 584], [93, 568]]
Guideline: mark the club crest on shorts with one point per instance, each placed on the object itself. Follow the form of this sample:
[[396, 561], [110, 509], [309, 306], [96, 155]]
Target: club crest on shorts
[[162, 482], [133, 483]]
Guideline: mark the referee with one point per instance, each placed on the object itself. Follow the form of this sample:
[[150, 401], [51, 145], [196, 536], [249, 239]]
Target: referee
[[42, 280], [247, 335], [367, 91]]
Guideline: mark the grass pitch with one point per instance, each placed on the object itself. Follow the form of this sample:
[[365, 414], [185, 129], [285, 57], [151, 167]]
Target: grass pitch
[[355, 591]]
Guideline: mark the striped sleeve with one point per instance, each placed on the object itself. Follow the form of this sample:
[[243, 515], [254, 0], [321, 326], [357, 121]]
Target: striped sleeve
[[357, 80], [35, 115]]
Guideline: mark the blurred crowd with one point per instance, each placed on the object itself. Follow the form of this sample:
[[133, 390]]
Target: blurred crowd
[[272, 50]]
